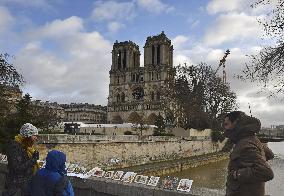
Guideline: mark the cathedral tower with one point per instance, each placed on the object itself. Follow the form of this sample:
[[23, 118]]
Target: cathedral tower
[[135, 89]]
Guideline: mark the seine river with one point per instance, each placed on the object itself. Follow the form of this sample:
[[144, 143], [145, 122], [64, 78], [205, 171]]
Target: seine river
[[213, 176]]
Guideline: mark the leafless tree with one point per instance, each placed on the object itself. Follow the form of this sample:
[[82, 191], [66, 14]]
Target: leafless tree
[[267, 67], [198, 97]]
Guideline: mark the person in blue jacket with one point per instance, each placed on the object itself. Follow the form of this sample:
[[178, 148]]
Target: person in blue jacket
[[52, 180]]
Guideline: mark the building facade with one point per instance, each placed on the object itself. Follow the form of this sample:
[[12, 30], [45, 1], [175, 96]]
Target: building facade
[[84, 112], [136, 89]]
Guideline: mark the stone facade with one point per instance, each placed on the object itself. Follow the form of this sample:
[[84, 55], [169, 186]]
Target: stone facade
[[138, 89], [84, 112]]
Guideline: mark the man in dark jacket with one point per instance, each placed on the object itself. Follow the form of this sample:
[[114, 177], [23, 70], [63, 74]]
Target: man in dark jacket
[[248, 169], [22, 161], [52, 180]]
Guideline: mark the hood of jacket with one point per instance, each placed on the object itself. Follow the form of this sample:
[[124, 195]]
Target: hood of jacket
[[55, 161], [245, 126]]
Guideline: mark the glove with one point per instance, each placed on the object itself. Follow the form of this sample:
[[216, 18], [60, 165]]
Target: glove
[[35, 155]]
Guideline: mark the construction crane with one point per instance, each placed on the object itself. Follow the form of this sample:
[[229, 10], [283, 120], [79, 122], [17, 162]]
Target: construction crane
[[222, 63], [249, 109]]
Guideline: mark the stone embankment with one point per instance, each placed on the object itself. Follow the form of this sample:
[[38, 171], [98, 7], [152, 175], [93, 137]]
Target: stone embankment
[[106, 187], [99, 151], [169, 167]]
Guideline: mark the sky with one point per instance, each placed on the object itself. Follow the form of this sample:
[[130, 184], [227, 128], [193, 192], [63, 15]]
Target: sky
[[63, 47]]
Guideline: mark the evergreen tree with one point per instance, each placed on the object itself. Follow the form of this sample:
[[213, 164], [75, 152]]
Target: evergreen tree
[[160, 126]]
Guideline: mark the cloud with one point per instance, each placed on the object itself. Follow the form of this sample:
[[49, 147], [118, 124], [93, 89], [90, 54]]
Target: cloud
[[216, 6], [155, 6], [180, 41], [113, 10], [76, 69], [58, 28], [231, 27], [113, 27], [6, 19]]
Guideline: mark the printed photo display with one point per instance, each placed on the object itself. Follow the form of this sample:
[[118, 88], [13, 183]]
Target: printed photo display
[[153, 181], [169, 183], [128, 177], [99, 173], [80, 170], [184, 185], [109, 174], [71, 168], [92, 172], [140, 179], [118, 175]]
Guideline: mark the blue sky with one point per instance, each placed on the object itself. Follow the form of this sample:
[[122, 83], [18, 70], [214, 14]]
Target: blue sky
[[63, 47]]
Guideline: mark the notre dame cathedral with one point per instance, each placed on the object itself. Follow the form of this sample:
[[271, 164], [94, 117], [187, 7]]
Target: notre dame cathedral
[[134, 88]]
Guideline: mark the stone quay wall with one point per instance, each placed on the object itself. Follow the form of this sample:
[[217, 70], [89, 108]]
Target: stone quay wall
[[128, 151], [106, 187], [174, 166]]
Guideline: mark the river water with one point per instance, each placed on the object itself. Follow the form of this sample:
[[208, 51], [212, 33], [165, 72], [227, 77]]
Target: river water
[[213, 176]]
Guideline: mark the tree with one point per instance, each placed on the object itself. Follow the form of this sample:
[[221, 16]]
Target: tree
[[160, 128], [11, 124], [198, 97], [267, 67], [10, 78], [138, 121], [45, 116]]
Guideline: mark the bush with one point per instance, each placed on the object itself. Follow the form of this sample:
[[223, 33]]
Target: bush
[[217, 136]]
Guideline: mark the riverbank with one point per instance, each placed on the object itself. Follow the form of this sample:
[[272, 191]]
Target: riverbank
[[174, 166]]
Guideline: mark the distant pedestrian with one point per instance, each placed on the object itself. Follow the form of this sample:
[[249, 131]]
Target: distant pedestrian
[[22, 161], [248, 169], [52, 180]]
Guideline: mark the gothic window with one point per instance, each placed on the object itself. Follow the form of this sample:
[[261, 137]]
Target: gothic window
[[152, 76], [117, 79], [117, 98], [132, 77], [119, 60], [153, 54], [158, 96], [158, 54], [123, 97], [137, 77], [138, 93], [124, 59], [142, 78], [152, 95]]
